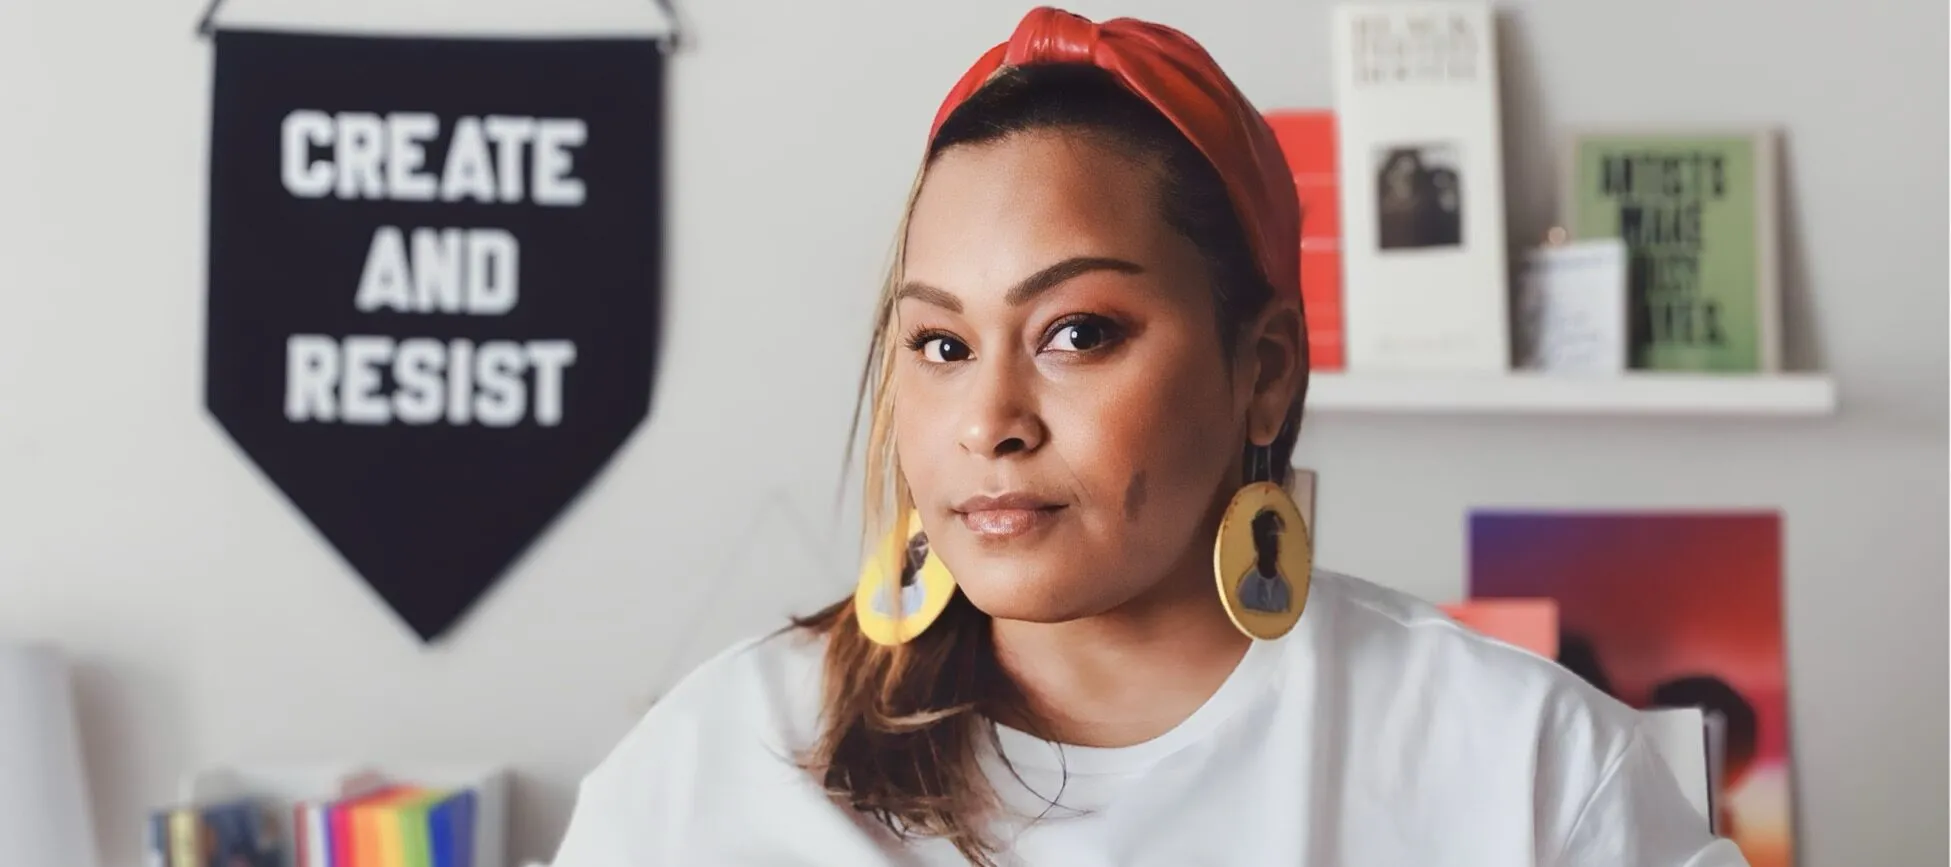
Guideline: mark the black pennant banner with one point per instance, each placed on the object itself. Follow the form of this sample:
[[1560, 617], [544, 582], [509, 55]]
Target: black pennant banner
[[434, 287]]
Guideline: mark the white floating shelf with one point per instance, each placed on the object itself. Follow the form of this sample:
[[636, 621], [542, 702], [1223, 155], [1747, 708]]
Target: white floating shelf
[[1522, 393]]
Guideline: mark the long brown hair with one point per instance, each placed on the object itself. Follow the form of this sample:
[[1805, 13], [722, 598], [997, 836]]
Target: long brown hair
[[900, 725]]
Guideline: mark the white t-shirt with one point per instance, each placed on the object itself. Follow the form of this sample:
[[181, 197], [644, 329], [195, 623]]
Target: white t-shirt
[[1377, 732]]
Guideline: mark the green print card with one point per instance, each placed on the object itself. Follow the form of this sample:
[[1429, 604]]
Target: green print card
[[1697, 213]]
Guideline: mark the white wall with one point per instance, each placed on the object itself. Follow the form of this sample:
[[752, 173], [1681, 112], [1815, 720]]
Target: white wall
[[213, 624]]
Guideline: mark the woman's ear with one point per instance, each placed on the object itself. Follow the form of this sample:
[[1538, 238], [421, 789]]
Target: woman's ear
[[1276, 350]]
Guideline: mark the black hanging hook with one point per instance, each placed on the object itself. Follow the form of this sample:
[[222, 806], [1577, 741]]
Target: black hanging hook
[[207, 23], [671, 37]]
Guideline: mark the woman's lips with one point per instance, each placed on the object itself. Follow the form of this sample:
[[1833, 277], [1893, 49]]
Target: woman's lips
[[1007, 523], [1007, 516]]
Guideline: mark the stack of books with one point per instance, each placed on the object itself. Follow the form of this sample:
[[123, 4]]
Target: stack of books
[[1664, 249], [393, 826], [321, 817]]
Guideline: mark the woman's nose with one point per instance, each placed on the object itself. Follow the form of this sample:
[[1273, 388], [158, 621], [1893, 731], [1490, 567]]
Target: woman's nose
[[999, 414]]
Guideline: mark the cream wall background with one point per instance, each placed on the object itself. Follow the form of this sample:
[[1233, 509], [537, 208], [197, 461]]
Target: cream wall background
[[213, 625]]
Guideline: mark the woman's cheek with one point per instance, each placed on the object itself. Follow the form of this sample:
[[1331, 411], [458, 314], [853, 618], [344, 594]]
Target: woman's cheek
[[924, 429], [1183, 417], [1112, 430]]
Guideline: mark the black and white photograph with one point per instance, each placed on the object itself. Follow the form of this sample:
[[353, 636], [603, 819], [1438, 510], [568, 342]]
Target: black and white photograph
[[1419, 197]]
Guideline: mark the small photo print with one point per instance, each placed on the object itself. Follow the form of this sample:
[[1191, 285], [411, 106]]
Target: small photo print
[[1419, 196]]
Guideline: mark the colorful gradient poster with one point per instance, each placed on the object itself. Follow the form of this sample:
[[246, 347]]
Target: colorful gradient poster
[[1662, 609]]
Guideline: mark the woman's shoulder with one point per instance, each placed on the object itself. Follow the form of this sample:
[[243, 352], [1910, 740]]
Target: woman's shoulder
[[1396, 683], [760, 690], [1369, 621], [724, 743], [767, 684], [1415, 686], [1400, 650]]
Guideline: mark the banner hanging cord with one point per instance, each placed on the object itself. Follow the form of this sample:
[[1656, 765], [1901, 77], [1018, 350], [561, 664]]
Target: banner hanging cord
[[206, 25]]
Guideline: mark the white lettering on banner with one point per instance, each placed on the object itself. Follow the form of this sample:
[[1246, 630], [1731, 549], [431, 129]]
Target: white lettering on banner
[[471, 271], [510, 135], [496, 159], [304, 130], [553, 183], [460, 382], [406, 139], [468, 173], [419, 390], [359, 399], [359, 155], [332, 380]]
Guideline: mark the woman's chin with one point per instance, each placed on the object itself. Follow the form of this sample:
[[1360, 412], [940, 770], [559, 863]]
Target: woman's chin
[[1032, 603]]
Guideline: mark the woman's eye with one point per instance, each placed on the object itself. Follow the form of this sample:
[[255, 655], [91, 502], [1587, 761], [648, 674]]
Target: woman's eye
[[1081, 335], [942, 350]]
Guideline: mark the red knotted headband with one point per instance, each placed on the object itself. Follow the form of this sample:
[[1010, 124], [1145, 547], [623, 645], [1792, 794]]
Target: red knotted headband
[[1175, 75]]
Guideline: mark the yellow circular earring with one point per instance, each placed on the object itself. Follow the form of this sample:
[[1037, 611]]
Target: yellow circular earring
[[1263, 558], [903, 587]]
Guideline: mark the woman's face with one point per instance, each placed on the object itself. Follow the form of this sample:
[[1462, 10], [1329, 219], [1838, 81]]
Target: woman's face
[[1063, 413]]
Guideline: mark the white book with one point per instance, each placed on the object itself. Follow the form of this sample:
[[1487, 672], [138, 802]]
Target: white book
[[1421, 162], [1682, 738]]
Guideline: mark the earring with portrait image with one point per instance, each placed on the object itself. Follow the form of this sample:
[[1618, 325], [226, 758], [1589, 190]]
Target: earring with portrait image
[[1263, 558], [903, 586]]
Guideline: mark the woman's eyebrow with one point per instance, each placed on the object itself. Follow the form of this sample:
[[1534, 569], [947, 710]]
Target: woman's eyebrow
[[929, 295], [1036, 284], [1055, 275]]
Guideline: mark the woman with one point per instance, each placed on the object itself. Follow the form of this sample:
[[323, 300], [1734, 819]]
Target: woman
[[1088, 379]]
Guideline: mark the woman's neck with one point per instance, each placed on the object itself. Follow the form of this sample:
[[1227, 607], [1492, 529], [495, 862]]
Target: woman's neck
[[1124, 677]]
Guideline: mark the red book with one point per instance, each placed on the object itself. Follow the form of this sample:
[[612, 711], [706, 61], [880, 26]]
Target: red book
[[1307, 138], [1530, 623]]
